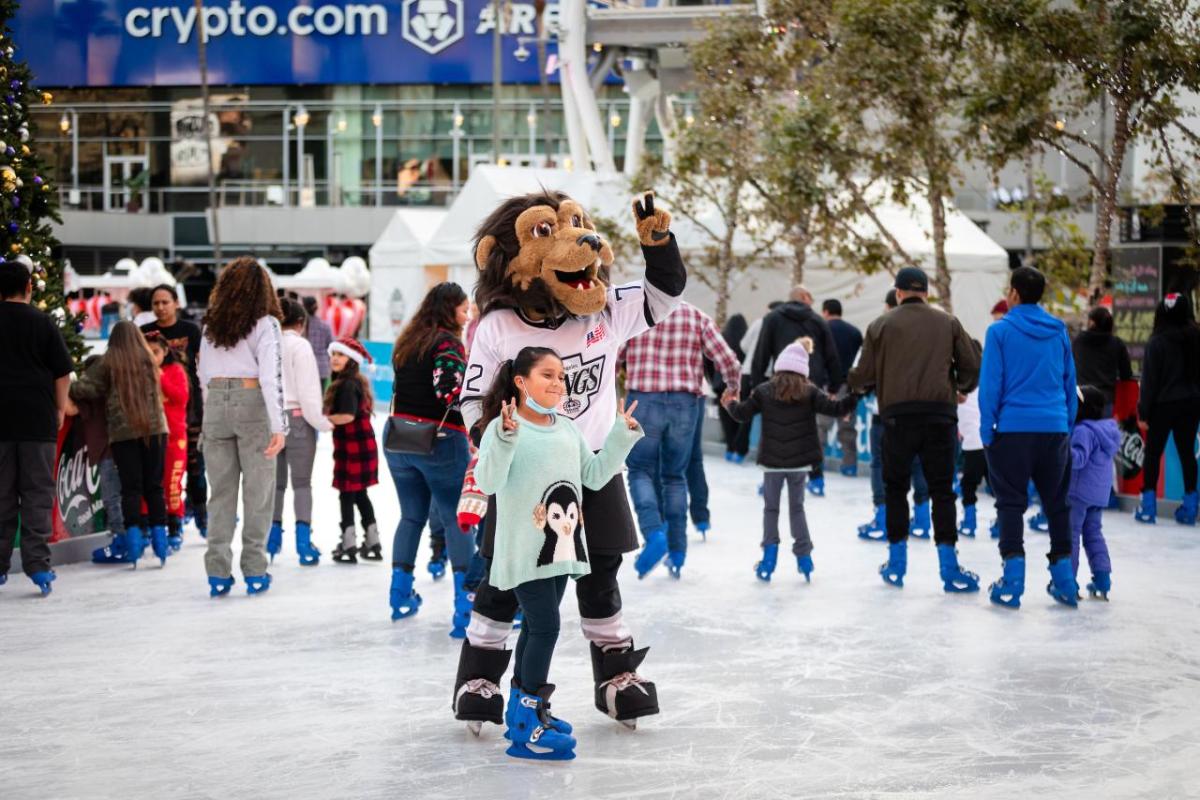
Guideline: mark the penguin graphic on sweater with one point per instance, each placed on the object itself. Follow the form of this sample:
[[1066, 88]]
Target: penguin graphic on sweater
[[559, 517]]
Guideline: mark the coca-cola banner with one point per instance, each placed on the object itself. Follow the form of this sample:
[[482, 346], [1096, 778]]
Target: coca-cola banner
[[78, 509]]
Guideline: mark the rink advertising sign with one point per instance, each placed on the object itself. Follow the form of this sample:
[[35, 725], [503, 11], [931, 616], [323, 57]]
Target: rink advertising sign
[[153, 42], [77, 504]]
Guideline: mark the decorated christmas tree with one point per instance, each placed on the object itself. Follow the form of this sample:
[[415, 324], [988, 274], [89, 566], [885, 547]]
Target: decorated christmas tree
[[28, 203]]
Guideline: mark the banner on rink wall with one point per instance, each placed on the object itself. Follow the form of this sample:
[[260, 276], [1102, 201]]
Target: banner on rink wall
[[78, 509]]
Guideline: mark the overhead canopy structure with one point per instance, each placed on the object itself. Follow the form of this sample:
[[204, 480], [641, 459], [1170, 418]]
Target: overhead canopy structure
[[398, 268], [978, 266]]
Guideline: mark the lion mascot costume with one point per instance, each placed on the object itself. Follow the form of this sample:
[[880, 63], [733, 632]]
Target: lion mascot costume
[[544, 281]]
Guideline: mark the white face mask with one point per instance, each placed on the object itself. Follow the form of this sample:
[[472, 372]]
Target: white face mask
[[534, 405]]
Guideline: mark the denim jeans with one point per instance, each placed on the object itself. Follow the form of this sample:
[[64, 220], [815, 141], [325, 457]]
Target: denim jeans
[[539, 601], [426, 480], [669, 422]]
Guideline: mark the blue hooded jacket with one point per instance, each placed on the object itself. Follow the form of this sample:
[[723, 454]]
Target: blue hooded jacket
[[1027, 381], [1094, 443]]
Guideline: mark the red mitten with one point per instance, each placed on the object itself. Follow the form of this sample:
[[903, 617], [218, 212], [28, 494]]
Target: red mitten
[[472, 503]]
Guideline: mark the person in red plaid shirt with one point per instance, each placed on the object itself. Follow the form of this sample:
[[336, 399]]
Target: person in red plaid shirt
[[664, 373]]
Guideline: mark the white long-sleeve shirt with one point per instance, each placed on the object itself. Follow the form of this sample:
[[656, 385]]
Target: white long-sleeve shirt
[[302, 380], [257, 356]]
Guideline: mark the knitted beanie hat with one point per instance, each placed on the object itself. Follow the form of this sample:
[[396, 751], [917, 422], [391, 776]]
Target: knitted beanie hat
[[794, 358], [472, 503], [352, 349]]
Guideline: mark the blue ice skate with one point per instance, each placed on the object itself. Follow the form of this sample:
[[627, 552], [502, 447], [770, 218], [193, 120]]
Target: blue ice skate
[[766, 566], [805, 565], [257, 584], [703, 528], [675, 560], [816, 486], [159, 543], [954, 577], [175, 541], [920, 524], [3, 578], [849, 470], [969, 522], [219, 587], [463, 601], [653, 552], [1039, 523], [1062, 586], [135, 543], [876, 529], [275, 540], [1100, 586], [42, 580], [1188, 508], [894, 568], [994, 529], [739, 458], [1147, 510], [309, 555], [403, 600], [514, 699], [437, 565], [115, 552], [1008, 590], [531, 731]]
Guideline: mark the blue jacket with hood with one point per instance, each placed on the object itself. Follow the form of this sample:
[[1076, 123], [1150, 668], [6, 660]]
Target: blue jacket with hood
[[1027, 381]]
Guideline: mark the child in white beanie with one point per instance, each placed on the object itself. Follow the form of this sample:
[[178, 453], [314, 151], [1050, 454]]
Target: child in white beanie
[[789, 445]]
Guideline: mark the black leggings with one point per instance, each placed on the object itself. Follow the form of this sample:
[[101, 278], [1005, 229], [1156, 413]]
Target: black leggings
[[365, 510], [140, 466], [974, 471], [539, 631], [1180, 419]]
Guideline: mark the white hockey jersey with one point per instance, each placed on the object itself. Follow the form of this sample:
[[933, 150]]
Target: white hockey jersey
[[588, 348]]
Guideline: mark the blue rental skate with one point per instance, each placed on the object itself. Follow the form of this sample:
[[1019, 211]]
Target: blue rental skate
[[514, 699], [437, 565], [739, 458], [175, 541], [894, 568], [969, 522], [136, 544], [653, 552], [920, 524], [532, 732], [766, 566], [309, 555], [159, 543], [219, 587], [403, 600], [994, 529], [42, 580], [3, 578], [805, 566], [115, 552], [257, 584], [275, 540], [703, 528], [876, 529], [1062, 586], [463, 602], [954, 577], [1008, 590], [675, 560], [1039, 523], [1100, 586], [816, 486], [1189, 506], [849, 470], [1147, 510]]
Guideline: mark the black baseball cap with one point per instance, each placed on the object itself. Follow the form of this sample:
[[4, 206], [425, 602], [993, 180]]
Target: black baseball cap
[[912, 279]]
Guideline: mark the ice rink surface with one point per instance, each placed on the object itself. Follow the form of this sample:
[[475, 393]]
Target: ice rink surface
[[127, 684]]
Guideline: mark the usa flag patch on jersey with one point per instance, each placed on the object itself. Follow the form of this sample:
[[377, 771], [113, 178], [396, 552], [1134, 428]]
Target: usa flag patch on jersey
[[596, 335]]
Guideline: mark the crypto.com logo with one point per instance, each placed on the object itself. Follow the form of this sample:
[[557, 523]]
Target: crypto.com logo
[[433, 25]]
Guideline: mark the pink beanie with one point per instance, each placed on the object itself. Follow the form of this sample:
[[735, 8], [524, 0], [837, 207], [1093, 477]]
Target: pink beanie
[[794, 358]]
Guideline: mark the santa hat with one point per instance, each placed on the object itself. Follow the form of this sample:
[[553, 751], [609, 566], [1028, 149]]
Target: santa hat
[[472, 503], [351, 348], [794, 358], [1001, 307]]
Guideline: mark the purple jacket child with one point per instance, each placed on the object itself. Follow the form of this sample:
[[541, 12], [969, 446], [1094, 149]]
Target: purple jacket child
[[1093, 445]]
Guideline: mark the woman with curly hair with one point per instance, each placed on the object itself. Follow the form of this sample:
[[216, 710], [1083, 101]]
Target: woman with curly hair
[[241, 376]]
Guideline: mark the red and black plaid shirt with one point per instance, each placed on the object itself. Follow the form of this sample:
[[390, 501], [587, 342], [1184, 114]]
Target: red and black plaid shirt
[[669, 356]]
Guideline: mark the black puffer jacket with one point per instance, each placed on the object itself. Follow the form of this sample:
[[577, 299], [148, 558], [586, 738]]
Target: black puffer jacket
[[789, 430]]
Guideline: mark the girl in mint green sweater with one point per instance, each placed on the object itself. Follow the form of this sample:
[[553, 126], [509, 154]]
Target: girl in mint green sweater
[[536, 463]]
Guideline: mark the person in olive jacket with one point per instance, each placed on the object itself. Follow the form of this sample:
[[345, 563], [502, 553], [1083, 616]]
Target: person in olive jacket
[[918, 359]]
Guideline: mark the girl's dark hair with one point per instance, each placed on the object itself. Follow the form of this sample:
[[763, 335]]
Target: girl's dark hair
[[241, 297], [1101, 319], [154, 338], [790, 387], [133, 376], [142, 297], [504, 387], [1173, 311], [350, 373], [293, 313], [436, 315], [1092, 404]]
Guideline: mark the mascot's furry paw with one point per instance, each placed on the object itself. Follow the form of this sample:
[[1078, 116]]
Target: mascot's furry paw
[[653, 224]]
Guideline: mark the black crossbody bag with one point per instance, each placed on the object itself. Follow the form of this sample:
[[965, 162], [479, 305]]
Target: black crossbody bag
[[414, 437]]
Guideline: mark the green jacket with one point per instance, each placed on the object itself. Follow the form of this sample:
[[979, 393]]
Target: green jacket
[[96, 384]]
